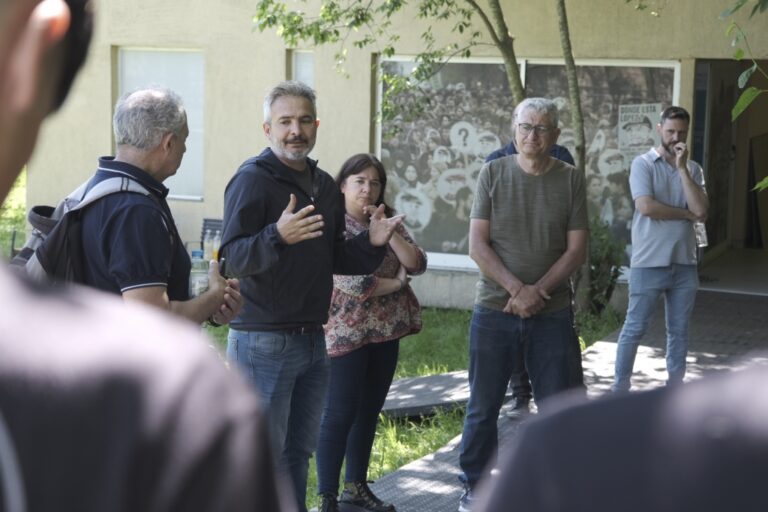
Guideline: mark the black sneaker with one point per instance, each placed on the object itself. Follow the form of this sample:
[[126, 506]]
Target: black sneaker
[[521, 409], [328, 503], [467, 499], [360, 495]]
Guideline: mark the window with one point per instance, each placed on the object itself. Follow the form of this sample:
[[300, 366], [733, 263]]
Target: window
[[182, 71], [303, 67]]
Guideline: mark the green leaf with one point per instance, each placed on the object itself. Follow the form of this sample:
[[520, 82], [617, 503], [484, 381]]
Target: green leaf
[[762, 185], [732, 9], [738, 55], [744, 77], [746, 98]]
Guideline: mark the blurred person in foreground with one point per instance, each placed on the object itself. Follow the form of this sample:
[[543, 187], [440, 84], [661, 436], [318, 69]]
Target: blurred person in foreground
[[369, 315], [669, 449], [105, 405]]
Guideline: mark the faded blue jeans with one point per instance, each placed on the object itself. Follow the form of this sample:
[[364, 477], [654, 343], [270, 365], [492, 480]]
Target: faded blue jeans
[[678, 285], [290, 373], [552, 358]]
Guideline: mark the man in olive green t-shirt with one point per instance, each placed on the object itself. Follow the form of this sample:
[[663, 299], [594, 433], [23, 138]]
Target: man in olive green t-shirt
[[528, 234]]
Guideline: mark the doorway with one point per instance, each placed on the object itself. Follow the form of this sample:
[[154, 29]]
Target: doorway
[[734, 156]]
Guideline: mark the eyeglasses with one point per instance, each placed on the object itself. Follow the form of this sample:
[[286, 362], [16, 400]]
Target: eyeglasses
[[540, 129]]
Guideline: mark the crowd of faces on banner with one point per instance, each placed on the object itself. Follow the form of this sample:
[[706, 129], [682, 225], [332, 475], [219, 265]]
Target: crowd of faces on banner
[[433, 159]]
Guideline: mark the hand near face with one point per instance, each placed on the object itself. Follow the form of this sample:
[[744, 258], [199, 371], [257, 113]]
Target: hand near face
[[681, 156], [381, 228], [299, 226]]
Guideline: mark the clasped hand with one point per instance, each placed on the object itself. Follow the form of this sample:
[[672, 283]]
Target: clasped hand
[[228, 290], [527, 302]]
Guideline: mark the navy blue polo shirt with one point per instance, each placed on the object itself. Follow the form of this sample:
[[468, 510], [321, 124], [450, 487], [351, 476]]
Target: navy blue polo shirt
[[130, 240], [559, 152]]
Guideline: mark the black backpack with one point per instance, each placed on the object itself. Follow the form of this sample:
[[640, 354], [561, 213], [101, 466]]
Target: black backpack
[[53, 251]]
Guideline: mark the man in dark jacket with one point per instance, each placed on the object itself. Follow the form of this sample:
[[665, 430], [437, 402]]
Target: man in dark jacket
[[285, 258]]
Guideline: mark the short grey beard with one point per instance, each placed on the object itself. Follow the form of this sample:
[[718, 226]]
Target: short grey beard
[[292, 155]]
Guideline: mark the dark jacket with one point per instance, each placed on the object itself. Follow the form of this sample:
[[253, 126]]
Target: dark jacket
[[559, 152], [286, 285]]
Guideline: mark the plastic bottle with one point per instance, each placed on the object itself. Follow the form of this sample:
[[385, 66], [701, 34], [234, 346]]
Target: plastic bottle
[[198, 276], [216, 244], [208, 245], [700, 229]]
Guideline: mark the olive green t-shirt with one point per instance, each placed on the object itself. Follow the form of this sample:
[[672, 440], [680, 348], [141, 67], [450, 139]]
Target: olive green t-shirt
[[529, 220]]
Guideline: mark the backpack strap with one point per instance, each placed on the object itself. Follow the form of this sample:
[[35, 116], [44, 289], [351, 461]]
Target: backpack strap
[[104, 188]]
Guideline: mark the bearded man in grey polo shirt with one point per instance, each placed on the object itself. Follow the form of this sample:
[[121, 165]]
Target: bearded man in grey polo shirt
[[669, 195]]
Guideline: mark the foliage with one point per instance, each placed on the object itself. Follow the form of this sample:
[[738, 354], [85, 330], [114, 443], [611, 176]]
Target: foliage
[[749, 94], [654, 7], [363, 24], [439, 348], [739, 39], [760, 6], [13, 216], [400, 441], [605, 256], [373, 23], [594, 327]]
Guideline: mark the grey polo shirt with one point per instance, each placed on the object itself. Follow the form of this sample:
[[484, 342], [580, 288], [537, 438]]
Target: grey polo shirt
[[655, 242]]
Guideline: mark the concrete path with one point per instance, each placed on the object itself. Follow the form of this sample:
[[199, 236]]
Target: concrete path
[[727, 331]]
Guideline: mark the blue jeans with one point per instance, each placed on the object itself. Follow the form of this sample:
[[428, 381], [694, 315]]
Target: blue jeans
[[552, 358], [290, 372], [678, 285], [359, 384]]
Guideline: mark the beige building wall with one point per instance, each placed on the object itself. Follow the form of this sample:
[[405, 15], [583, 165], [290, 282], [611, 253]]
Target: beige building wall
[[241, 64]]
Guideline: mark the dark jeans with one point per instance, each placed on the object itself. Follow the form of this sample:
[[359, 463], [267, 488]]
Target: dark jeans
[[359, 384], [520, 382], [496, 339]]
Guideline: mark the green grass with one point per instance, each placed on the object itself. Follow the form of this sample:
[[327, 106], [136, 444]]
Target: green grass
[[593, 328], [13, 215], [440, 347]]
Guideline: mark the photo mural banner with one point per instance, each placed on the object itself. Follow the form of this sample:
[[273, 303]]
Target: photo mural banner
[[433, 160]]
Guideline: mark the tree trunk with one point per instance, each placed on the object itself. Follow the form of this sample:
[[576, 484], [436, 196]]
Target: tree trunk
[[577, 124], [577, 118], [506, 45]]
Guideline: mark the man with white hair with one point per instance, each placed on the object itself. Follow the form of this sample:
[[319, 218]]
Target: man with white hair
[[130, 242], [527, 234]]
